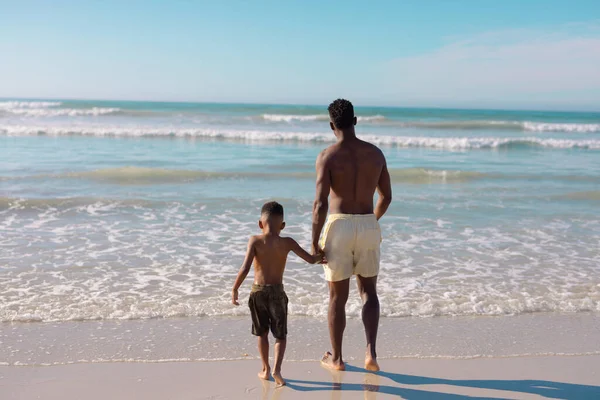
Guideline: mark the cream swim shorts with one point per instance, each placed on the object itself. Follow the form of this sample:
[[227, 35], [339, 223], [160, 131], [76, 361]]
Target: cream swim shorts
[[351, 243]]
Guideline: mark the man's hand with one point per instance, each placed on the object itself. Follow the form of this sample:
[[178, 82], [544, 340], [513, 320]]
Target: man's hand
[[234, 297], [316, 249], [318, 253]]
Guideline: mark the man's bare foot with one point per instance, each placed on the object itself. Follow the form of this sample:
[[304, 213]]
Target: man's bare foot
[[278, 379], [327, 362], [371, 364], [265, 374]]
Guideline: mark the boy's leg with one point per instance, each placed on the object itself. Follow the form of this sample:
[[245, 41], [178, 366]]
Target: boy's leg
[[279, 352], [260, 324], [263, 349], [278, 308]]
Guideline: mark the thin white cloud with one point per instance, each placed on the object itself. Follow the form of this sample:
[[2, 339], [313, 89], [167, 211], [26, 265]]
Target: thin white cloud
[[561, 66]]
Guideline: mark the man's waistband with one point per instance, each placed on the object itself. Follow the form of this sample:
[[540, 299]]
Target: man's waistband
[[333, 217]]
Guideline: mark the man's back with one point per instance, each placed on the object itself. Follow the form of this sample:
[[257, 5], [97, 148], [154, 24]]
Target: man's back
[[348, 173], [355, 169]]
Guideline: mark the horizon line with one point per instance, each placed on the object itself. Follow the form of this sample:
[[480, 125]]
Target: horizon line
[[368, 105]]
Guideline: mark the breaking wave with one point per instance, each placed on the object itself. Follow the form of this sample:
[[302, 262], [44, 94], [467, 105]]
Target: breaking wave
[[527, 126], [28, 104], [63, 112], [316, 117], [505, 125], [448, 143]]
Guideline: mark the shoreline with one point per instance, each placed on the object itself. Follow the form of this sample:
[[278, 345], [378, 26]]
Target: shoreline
[[228, 338]]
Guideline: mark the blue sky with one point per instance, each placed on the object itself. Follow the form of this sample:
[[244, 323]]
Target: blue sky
[[505, 54]]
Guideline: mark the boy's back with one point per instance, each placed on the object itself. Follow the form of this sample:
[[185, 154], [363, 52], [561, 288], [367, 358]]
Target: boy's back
[[270, 256]]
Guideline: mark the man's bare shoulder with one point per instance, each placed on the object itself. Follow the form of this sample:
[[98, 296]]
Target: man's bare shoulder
[[372, 152], [371, 147], [328, 152], [326, 155]]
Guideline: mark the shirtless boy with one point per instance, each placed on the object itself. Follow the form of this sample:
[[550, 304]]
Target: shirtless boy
[[268, 302]]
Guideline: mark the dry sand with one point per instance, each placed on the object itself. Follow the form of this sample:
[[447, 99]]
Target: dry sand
[[558, 377]]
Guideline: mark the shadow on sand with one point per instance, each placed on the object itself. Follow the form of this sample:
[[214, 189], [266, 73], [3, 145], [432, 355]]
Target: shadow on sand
[[371, 385]]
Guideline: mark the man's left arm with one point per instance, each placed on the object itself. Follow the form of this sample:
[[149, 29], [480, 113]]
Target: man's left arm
[[321, 201], [384, 189]]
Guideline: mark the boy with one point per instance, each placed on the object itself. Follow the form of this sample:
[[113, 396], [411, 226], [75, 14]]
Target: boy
[[268, 302]]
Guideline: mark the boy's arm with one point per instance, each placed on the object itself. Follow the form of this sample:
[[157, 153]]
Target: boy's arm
[[243, 271], [303, 254]]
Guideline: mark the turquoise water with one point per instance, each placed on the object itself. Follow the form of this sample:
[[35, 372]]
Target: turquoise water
[[127, 210]]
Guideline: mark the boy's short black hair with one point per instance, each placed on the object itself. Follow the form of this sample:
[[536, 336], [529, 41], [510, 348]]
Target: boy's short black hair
[[341, 112], [272, 208]]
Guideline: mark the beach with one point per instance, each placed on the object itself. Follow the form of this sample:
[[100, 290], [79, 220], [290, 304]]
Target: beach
[[533, 356], [123, 226], [522, 378]]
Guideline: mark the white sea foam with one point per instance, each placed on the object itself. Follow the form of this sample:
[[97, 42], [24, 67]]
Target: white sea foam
[[528, 126], [290, 118], [449, 143], [555, 127], [62, 112], [28, 104], [102, 259], [315, 117], [531, 126]]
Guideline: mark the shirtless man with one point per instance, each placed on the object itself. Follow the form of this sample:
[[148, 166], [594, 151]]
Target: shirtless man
[[350, 171]]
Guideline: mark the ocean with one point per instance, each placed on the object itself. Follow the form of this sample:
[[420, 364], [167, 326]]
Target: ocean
[[118, 211]]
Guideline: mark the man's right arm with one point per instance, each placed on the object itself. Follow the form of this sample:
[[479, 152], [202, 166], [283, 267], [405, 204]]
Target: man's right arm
[[384, 189], [321, 201]]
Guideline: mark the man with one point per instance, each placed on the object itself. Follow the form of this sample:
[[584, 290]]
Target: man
[[350, 170]]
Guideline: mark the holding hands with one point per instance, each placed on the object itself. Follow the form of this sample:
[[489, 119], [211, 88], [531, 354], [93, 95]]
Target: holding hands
[[318, 252]]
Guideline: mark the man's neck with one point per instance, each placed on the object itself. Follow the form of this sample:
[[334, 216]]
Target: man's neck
[[347, 135]]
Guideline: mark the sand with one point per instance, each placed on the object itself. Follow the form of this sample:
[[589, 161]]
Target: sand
[[519, 357], [559, 377]]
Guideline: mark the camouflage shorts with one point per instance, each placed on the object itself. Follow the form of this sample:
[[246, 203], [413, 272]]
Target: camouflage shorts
[[268, 308]]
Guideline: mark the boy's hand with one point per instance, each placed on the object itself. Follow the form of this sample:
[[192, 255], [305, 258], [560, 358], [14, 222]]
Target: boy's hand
[[319, 258], [323, 258], [234, 297]]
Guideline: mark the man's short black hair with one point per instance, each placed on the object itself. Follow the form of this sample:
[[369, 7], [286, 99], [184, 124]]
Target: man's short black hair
[[272, 208], [341, 113]]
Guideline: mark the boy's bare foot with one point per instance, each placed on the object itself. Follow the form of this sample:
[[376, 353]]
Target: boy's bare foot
[[265, 374], [371, 364], [278, 379], [327, 362]]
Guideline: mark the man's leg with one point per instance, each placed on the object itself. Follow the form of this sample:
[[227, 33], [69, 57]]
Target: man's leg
[[370, 317], [338, 296]]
